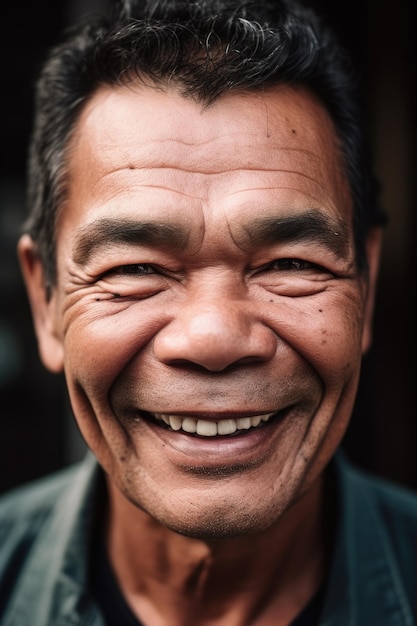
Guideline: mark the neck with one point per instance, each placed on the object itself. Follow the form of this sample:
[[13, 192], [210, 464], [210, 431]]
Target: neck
[[262, 579]]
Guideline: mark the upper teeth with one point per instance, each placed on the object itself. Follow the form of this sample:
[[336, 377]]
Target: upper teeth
[[210, 428]]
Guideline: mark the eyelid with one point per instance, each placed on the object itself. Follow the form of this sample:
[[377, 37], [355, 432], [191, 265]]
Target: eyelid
[[127, 266], [295, 260], [117, 270], [309, 265]]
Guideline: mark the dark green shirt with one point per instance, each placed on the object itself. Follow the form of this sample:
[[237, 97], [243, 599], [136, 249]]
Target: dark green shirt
[[46, 536]]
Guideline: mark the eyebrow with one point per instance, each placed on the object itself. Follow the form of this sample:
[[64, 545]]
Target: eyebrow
[[101, 234], [309, 226]]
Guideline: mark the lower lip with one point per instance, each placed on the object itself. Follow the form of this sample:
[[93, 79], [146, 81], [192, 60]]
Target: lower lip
[[241, 447]]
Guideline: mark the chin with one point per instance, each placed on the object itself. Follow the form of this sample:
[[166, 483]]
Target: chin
[[214, 527], [215, 521]]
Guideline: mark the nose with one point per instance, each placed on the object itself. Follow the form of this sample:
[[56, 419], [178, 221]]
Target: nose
[[215, 335]]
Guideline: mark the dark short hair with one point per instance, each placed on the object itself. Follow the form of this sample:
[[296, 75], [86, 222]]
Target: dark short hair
[[204, 48]]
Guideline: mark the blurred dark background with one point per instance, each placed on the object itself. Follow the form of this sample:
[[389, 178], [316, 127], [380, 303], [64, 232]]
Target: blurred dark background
[[37, 432]]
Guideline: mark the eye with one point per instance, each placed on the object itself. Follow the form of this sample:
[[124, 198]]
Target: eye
[[133, 280], [133, 269], [285, 265], [139, 269]]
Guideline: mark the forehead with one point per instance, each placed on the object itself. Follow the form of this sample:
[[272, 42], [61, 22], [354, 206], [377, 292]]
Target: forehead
[[133, 145]]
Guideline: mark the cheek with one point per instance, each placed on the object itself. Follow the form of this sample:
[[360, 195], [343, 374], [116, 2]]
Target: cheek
[[326, 334], [103, 338]]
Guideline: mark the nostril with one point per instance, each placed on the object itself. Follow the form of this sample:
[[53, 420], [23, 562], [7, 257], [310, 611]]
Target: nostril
[[194, 366]]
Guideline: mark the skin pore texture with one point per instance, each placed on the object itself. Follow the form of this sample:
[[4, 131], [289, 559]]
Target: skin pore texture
[[210, 320]]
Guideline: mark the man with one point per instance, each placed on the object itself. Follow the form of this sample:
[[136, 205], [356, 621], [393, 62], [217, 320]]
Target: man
[[201, 258]]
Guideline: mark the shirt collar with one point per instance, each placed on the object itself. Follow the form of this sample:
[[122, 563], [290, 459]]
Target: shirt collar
[[364, 585], [52, 588]]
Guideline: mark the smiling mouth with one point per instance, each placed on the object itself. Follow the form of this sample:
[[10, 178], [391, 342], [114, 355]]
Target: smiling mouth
[[213, 428]]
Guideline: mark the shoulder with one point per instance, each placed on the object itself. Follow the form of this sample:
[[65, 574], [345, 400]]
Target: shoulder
[[44, 526], [373, 575], [43, 511], [25, 512], [36, 499], [396, 504], [380, 518]]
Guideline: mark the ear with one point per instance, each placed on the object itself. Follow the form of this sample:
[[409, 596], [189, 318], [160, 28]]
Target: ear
[[373, 253], [43, 308]]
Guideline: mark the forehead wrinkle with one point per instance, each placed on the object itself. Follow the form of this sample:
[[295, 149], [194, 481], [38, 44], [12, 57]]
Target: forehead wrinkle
[[103, 233], [310, 226]]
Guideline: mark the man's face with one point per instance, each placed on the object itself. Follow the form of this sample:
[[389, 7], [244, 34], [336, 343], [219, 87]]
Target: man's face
[[208, 313]]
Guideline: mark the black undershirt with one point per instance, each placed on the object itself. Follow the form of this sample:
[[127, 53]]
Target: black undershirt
[[116, 611]]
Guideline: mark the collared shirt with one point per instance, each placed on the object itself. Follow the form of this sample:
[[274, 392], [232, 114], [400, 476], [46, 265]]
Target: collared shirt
[[46, 537]]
